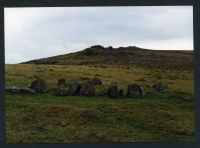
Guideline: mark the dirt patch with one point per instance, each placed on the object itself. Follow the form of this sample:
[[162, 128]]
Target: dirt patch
[[54, 111], [90, 115]]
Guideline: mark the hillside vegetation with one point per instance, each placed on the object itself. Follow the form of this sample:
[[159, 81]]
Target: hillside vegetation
[[166, 116], [133, 56]]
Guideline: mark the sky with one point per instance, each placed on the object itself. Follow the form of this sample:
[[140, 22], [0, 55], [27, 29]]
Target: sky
[[33, 33]]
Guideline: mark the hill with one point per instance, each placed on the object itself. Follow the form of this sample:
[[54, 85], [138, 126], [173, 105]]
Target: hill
[[129, 56], [161, 116]]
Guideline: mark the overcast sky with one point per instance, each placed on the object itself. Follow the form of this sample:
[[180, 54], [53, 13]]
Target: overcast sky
[[32, 33]]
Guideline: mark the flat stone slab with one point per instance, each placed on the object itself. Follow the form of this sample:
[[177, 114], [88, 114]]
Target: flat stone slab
[[14, 89]]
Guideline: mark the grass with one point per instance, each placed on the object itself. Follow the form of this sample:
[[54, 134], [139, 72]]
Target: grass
[[43, 118]]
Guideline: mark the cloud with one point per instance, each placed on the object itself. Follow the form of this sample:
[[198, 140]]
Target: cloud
[[33, 33], [12, 57]]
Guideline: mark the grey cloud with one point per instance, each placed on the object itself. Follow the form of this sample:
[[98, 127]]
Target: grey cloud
[[53, 31]]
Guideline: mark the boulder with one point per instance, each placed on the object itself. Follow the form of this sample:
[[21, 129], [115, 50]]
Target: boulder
[[28, 90], [121, 92], [113, 91], [101, 90], [159, 86], [95, 81], [135, 91], [62, 81], [77, 88], [61, 91], [88, 89], [97, 46], [38, 85], [69, 90], [13, 89], [90, 52]]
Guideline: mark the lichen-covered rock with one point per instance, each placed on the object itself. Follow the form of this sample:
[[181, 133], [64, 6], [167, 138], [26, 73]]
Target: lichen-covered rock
[[28, 90], [135, 91], [61, 91], [77, 87], [95, 81], [68, 90], [13, 89], [88, 90], [39, 85], [113, 91], [159, 86], [62, 81], [121, 92], [101, 90]]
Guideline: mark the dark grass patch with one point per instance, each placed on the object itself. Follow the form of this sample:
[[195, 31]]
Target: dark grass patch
[[96, 119]]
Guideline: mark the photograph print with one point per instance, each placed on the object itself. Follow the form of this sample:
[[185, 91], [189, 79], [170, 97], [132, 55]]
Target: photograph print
[[99, 74]]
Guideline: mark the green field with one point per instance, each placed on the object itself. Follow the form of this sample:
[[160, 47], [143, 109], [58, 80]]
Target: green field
[[43, 118]]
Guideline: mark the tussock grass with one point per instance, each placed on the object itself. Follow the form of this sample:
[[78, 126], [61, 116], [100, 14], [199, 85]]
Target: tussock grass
[[161, 116]]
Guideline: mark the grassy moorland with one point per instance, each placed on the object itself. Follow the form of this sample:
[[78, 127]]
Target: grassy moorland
[[160, 116]]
